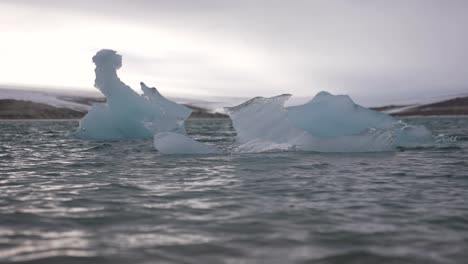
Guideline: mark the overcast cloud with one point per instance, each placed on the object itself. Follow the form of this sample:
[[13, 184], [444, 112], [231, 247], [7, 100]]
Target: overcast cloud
[[373, 50]]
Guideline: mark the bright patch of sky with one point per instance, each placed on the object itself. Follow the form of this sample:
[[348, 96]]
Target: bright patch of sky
[[375, 51]]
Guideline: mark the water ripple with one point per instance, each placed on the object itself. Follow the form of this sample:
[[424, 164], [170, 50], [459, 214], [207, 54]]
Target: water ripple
[[64, 200]]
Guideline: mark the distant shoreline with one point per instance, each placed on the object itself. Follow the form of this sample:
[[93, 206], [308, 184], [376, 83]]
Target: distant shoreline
[[78, 119], [213, 118], [456, 107], [13, 109]]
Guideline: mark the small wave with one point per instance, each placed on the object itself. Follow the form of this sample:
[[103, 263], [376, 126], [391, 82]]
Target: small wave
[[442, 138], [259, 146], [365, 256], [430, 147], [98, 147]]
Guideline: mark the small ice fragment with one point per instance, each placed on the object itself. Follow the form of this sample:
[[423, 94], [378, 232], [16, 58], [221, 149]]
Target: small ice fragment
[[175, 143]]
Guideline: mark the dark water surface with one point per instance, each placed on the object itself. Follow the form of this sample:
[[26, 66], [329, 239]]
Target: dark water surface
[[64, 200]]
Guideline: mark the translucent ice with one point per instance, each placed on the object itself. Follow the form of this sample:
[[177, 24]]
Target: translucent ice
[[327, 123], [263, 119], [329, 115], [175, 143], [126, 114]]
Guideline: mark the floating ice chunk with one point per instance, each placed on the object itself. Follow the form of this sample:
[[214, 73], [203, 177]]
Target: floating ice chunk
[[329, 116], [334, 116], [126, 114], [166, 106], [169, 111], [263, 119], [327, 123], [175, 143]]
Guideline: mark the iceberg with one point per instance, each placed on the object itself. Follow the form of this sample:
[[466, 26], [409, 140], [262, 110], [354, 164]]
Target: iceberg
[[126, 114], [332, 116], [176, 143], [327, 123], [328, 116], [263, 119]]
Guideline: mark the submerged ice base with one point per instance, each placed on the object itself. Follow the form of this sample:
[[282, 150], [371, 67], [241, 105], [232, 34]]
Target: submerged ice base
[[327, 123], [126, 114], [174, 143]]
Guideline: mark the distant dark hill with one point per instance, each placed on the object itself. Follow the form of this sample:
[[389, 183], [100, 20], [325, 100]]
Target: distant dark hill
[[455, 106], [19, 109], [83, 100], [197, 112], [22, 109], [387, 107]]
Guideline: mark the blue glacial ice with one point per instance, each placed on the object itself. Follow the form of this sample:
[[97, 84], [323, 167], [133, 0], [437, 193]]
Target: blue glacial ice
[[327, 123], [126, 114], [329, 116]]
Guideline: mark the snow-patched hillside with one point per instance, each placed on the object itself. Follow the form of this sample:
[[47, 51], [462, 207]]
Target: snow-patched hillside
[[452, 104], [81, 101], [55, 98]]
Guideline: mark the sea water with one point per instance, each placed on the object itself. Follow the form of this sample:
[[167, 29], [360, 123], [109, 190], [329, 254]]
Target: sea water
[[65, 200]]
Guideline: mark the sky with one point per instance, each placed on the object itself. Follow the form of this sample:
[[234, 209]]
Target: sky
[[377, 51]]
